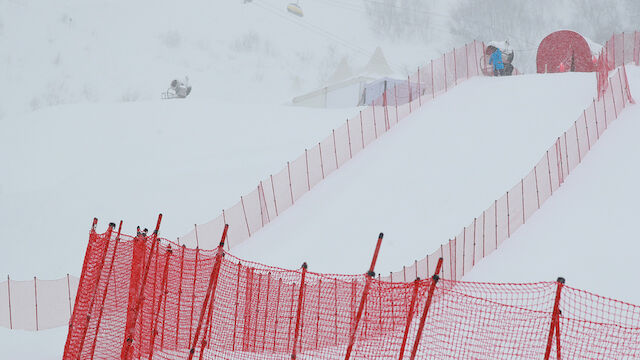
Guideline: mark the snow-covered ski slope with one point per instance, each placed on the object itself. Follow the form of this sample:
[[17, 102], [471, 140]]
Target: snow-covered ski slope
[[423, 181], [587, 231], [84, 133], [186, 159]]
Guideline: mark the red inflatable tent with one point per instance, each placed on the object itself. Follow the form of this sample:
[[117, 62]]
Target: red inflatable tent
[[564, 50]]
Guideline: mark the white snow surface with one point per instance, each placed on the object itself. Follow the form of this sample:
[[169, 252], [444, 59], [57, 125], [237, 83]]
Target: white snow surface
[[587, 231], [426, 179], [84, 133], [185, 159]]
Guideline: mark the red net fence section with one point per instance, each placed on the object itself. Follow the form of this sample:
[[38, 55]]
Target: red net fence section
[[281, 190], [145, 298], [37, 304], [502, 218]]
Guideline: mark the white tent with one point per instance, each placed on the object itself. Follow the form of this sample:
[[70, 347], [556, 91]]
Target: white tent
[[345, 88]]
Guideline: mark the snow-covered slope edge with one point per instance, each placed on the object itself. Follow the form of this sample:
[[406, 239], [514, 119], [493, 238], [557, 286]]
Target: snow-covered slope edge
[[500, 220], [279, 191]]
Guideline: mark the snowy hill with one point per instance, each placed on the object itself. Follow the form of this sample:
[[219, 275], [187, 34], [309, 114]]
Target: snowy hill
[[586, 231], [422, 182]]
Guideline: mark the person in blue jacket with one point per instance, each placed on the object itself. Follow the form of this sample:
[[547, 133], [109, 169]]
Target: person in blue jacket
[[496, 61]]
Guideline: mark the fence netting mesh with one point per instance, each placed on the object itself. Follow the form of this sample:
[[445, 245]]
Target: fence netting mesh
[[142, 297]]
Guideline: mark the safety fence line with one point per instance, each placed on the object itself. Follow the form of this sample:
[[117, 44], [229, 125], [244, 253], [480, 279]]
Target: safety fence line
[[502, 218], [143, 297], [37, 304], [280, 191]]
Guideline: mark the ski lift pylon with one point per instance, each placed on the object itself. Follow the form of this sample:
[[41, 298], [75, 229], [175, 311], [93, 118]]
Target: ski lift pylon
[[295, 9]]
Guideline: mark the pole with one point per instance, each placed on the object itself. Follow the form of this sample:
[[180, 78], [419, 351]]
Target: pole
[[68, 293], [306, 162], [130, 329], [299, 311], [335, 150], [369, 277], [95, 288], [290, 187], [555, 323], [179, 293], [244, 212], [321, 160], [211, 293], [104, 293], [409, 317], [433, 93], [432, 288], [9, 296], [275, 202], [92, 236], [35, 293], [154, 330], [349, 137]]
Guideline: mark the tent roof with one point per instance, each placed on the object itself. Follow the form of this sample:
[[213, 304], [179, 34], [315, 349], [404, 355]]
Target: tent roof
[[378, 64]]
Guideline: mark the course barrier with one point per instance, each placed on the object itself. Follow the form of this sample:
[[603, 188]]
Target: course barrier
[[280, 191], [147, 298], [502, 218]]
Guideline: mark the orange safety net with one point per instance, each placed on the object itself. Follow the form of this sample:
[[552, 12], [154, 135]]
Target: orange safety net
[[143, 297]]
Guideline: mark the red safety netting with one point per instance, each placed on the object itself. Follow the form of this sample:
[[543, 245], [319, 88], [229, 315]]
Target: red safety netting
[[146, 298], [487, 231], [279, 191]]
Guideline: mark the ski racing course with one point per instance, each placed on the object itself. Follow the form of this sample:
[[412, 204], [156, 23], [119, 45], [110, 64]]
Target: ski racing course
[[424, 180], [586, 231], [474, 91]]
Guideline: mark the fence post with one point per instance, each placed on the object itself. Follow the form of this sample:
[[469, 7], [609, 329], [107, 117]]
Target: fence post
[[586, 127], [193, 295], [375, 125], [409, 317], [369, 277], [69, 294], [163, 294], [508, 217], [290, 187], [361, 130], [455, 67], [244, 212], [522, 192], [409, 90], [555, 322], [134, 289], [299, 311], [92, 235], [9, 296], [549, 170], [419, 93], [35, 293], [349, 137], [535, 175], [434, 281], [106, 287], [466, 58], [94, 292], [321, 160], [335, 150], [273, 190], [210, 294], [433, 93], [306, 162], [444, 64], [180, 293]]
